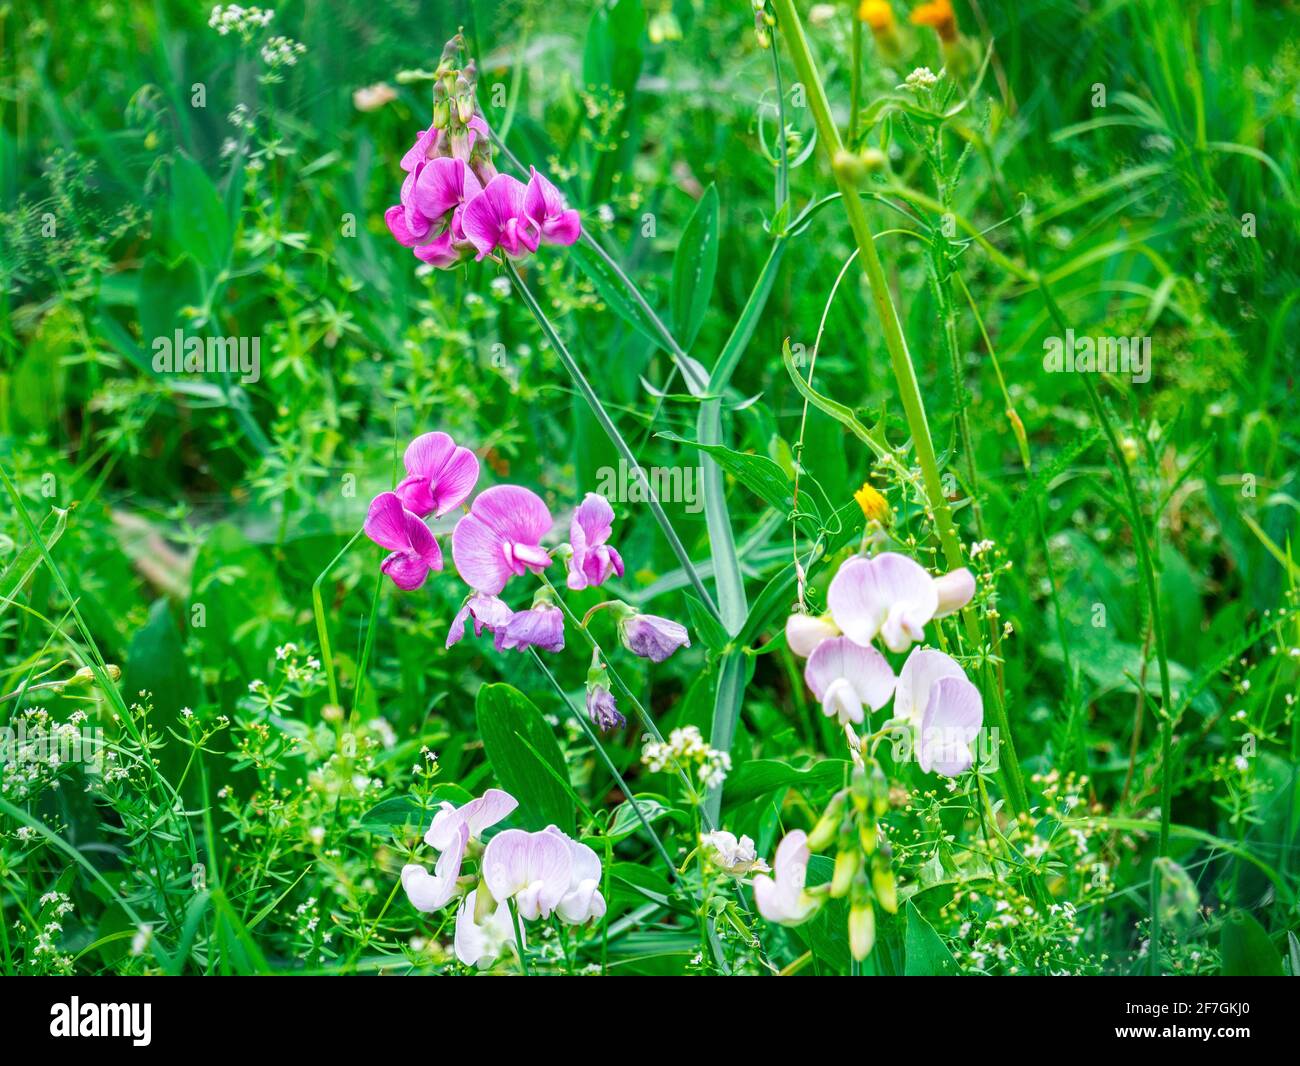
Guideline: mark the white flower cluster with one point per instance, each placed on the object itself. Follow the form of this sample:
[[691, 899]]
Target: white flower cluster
[[282, 52], [686, 745], [922, 78], [245, 21]]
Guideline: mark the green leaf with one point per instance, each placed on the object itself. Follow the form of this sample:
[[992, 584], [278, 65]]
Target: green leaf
[[757, 473], [614, 291], [524, 756], [198, 217], [694, 265], [927, 954], [24, 564], [873, 439], [1246, 948], [156, 663], [760, 777], [624, 822], [705, 626], [400, 811]]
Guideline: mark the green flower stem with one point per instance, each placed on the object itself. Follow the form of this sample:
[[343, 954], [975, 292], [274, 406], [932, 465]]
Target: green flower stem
[[322, 630], [623, 689], [900, 360], [611, 430], [609, 765]]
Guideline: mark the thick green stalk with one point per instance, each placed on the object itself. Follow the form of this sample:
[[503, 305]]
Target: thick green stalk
[[900, 360]]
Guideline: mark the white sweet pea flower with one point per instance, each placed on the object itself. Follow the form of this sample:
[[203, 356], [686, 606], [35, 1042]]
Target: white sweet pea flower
[[732, 856], [781, 898], [430, 892], [583, 901], [450, 834], [890, 595], [845, 675], [533, 869], [944, 708], [803, 632], [955, 589], [479, 944]]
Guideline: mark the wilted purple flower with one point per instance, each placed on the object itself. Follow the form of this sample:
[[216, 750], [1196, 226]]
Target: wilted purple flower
[[541, 626], [652, 637], [487, 612], [414, 550], [602, 710], [501, 538], [592, 560], [440, 475]]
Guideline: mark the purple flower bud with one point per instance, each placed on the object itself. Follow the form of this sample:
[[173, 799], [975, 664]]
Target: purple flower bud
[[541, 626], [602, 710], [652, 637]]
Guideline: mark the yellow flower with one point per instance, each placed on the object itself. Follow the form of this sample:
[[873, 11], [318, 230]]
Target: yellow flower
[[874, 505], [938, 15], [877, 14]]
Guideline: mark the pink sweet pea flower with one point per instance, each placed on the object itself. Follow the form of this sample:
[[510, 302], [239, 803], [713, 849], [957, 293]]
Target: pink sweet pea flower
[[541, 626], [781, 898], [414, 550], [487, 611], [592, 560], [583, 901], [533, 869], [546, 207], [439, 475], [496, 219], [845, 675], [890, 595], [479, 945], [944, 707], [500, 538]]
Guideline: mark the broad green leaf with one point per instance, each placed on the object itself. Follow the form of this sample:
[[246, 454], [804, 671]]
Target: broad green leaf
[[624, 822], [927, 954], [524, 756], [694, 265], [199, 224], [760, 777], [1246, 948]]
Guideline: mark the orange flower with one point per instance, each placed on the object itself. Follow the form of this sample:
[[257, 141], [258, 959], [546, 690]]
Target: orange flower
[[938, 15], [877, 14]]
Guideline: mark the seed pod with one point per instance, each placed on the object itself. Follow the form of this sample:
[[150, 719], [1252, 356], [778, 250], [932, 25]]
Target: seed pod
[[828, 826], [846, 865], [883, 883], [862, 930]]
